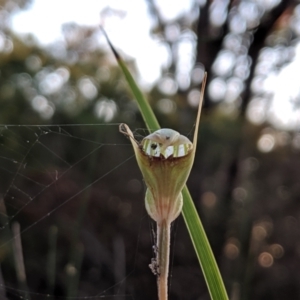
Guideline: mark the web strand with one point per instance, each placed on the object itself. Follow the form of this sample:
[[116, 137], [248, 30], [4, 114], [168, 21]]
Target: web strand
[[20, 148], [37, 163]]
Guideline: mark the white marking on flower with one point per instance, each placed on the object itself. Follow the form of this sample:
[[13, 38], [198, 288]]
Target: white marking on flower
[[166, 142]]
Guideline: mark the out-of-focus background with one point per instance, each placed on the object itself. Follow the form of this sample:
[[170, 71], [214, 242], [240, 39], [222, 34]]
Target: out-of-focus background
[[72, 196]]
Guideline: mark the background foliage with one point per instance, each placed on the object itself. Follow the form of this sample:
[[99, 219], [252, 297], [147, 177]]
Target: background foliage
[[244, 181]]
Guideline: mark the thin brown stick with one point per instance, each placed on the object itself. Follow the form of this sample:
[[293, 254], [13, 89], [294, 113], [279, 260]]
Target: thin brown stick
[[19, 259], [18, 253]]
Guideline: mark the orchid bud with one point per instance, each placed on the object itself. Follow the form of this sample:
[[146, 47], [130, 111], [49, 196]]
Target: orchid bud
[[165, 158]]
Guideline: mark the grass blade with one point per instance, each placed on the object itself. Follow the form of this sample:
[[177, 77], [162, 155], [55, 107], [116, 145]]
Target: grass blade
[[144, 107], [202, 248]]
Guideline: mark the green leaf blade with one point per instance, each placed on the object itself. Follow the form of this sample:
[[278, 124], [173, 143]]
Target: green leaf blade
[[202, 248], [144, 107]]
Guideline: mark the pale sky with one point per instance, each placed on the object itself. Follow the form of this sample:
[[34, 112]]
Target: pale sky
[[45, 18], [130, 34]]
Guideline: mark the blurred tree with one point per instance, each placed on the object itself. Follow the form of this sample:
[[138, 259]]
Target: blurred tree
[[245, 178]]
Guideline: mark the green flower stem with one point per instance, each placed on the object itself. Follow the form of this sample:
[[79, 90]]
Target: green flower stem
[[163, 258]]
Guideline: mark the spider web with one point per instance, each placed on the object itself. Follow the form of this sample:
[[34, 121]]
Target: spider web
[[67, 197]]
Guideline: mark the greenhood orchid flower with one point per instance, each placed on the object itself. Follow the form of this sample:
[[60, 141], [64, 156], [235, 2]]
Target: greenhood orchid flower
[[165, 158]]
